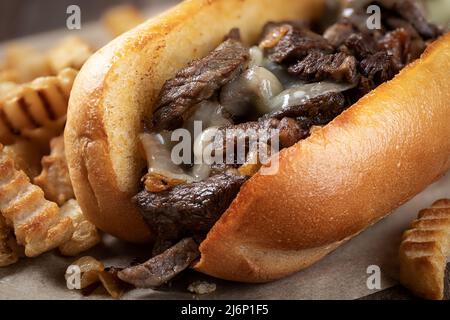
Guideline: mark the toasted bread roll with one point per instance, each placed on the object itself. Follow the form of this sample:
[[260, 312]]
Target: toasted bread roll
[[37, 222], [385, 149], [424, 251], [168, 41]]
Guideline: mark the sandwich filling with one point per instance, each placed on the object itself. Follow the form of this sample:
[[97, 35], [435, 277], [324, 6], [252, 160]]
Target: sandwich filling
[[247, 99]]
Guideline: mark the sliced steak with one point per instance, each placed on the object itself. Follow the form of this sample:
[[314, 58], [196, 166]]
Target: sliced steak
[[413, 13], [284, 43], [189, 208], [407, 10], [162, 268], [292, 131], [339, 32], [318, 66], [197, 82], [379, 67], [397, 44], [417, 44], [319, 109], [289, 132], [361, 45]]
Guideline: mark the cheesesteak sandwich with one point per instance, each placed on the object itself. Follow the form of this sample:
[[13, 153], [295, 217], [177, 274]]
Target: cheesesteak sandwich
[[354, 121]]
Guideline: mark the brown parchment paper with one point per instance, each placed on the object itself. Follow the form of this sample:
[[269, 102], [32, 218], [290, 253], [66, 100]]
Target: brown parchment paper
[[341, 275]]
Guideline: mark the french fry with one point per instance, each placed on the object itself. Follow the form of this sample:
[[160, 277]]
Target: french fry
[[7, 255], [26, 156], [26, 62], [9, 75], [93, 272], [37, 104], [7, 88], [54, 178], [37, 222], [85, 235], [122, 18], [424, 250], [71, 52], [41, 137]]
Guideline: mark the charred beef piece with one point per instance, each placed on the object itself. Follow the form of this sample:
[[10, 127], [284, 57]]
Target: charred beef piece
[[292, 131], [197, 82], [189, 208], [289, 132], [379, 67], [361, 45], [318, 66], [284, 43], [410, 11], [320, 109], [339, 32], [397, 44], [162, 268], [417, 44]]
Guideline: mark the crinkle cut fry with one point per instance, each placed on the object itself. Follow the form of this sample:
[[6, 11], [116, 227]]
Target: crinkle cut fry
[[71, 52], [54, 178], [424, 251], [37, 222], [37, 104], [85, 235], [7, 255]]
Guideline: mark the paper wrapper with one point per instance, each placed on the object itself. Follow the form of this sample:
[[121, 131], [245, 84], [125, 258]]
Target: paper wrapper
[[341, 275]]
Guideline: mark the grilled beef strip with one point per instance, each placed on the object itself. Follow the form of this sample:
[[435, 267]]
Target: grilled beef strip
[[410, 11], [199, 81], [288, 129], [324, 106], [191, 208], [318, 66], [162, 268], [291, 43]]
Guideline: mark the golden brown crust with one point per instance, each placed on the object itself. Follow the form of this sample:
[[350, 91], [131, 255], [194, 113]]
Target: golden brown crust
[[104, 163], [85, 235], [7, 254], [37, 222], [54, 178], [424, 251], [385, 149]]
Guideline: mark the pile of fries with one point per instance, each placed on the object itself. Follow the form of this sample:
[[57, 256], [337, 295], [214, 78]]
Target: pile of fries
[[38, 209]]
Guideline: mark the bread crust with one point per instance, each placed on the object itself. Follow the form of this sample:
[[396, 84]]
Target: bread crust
[[118, 85], [372, 158], [348, 175]]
